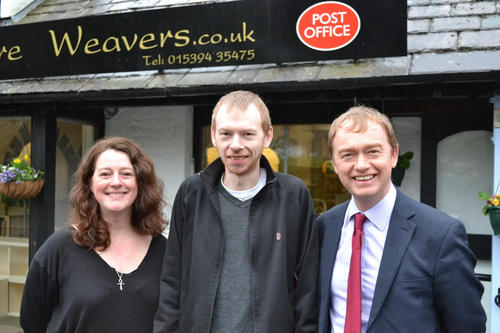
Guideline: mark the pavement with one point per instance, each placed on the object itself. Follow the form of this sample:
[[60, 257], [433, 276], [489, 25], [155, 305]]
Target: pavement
[[10, 325]]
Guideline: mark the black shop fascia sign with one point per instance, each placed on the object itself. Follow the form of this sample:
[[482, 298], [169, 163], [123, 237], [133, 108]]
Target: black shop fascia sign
[[217, 34]]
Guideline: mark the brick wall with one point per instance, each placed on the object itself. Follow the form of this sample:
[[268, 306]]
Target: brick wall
[[453, 25]]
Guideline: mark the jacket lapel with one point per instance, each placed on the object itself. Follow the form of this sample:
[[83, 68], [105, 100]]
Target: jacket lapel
[[398, 238]]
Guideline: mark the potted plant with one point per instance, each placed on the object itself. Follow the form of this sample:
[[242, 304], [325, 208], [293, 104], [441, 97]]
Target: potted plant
[[492, 208], [18, 180], [403, 164]]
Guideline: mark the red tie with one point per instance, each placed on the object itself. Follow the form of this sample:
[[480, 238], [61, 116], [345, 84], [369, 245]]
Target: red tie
[[353, 313]]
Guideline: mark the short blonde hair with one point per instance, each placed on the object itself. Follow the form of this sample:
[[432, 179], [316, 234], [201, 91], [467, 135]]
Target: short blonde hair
[[240, 100], [356, 120]]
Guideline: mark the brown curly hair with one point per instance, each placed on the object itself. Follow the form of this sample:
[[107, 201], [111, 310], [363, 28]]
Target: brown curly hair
[[91, 231]]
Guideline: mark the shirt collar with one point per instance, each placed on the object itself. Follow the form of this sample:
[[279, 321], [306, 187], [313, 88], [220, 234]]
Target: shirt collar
[[380, 214]]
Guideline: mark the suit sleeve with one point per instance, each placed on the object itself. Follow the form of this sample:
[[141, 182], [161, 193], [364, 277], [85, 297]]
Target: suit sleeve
[[167, 315], [320, 226], [457, 290], [40, 296], [307, 269]]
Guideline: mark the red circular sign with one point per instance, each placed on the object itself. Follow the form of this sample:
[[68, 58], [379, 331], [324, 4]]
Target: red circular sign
[[328, 26]]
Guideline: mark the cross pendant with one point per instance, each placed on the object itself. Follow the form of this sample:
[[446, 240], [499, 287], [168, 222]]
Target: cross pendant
[[121, 283]]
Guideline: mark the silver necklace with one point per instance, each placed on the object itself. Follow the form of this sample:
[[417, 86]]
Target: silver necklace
[[120, 280]]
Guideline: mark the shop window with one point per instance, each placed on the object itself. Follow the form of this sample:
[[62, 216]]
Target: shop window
[[73, 140], [15, 142], [302, 151], [464, 168]]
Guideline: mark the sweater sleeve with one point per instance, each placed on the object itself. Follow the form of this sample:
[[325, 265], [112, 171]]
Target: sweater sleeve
[[40, 297], [167, 315], [307, 269]]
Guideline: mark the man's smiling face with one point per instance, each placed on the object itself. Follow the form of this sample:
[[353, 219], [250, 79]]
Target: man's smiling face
[[364, 163], [240, 139]]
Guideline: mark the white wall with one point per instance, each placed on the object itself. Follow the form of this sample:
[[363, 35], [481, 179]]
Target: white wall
[[408, 131], [464, 168], [166, 134], [495, 251]]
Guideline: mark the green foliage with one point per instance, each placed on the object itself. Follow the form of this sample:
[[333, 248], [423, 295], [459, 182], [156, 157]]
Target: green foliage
[[404, 160]]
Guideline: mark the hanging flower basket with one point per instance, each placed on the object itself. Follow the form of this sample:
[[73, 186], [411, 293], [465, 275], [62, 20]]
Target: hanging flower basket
[[494, 214], [22, 190], [492, 208], [18, 180]]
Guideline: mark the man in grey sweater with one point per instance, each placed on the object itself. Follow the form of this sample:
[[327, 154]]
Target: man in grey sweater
[[242, 254]]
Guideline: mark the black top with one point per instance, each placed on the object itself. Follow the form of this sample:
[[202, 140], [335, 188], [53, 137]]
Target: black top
[[70, 289]]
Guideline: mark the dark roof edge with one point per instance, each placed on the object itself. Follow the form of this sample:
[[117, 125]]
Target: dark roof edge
[[172, 92]]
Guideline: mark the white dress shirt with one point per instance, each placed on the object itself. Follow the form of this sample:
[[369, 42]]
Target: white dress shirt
[[374, 235]]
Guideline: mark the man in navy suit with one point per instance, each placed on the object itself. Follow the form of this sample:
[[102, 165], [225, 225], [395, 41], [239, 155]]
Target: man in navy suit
[[417, 271]]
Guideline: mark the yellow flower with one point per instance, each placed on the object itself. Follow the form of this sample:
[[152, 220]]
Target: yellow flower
[[17, 161], [26, 157], [495, 202]]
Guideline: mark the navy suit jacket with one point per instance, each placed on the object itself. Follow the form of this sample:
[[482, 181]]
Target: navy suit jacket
[[426, 282]]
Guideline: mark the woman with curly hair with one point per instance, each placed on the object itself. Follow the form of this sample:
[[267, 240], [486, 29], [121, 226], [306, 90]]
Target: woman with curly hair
[[101, 273]]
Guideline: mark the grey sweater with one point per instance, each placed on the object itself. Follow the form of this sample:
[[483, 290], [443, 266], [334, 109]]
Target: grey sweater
[[233, 302]]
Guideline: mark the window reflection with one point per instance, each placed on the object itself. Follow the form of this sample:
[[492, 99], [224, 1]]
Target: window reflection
[[15, 143], [73, 140]]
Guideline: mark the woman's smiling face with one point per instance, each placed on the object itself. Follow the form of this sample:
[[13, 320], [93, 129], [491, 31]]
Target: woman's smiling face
[[114, 183]]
